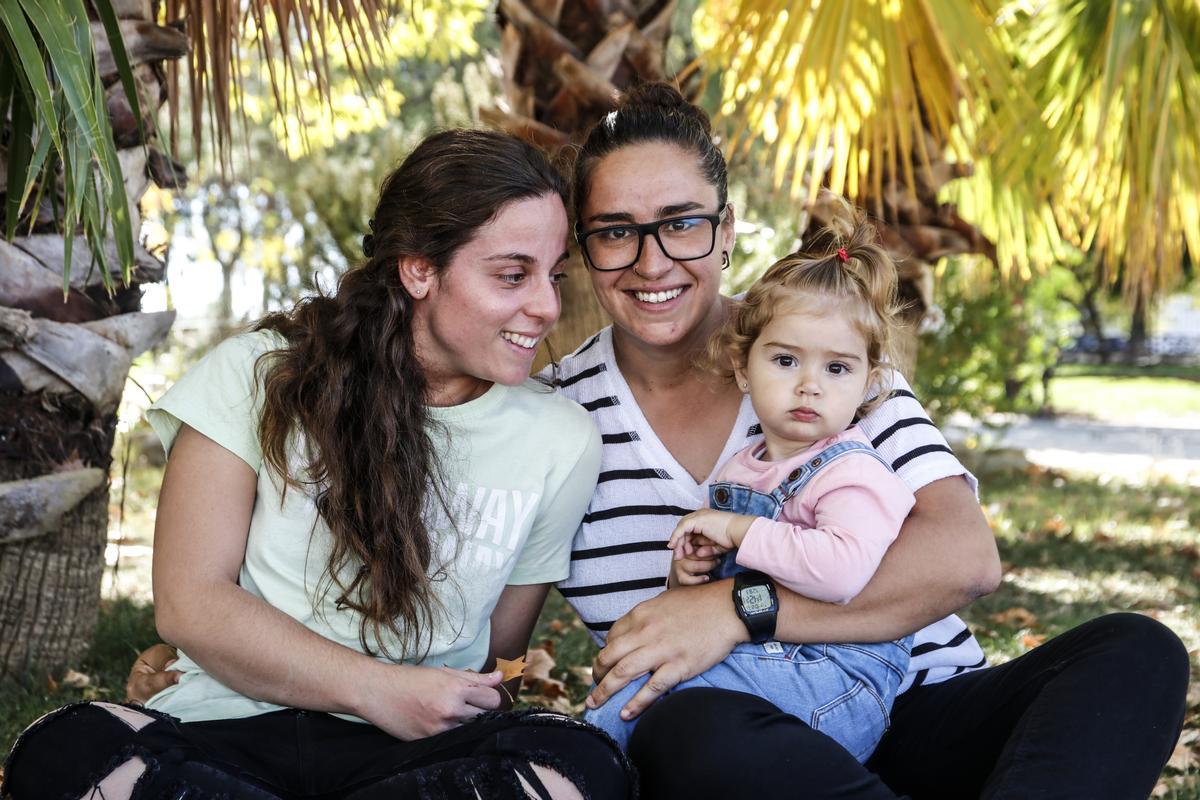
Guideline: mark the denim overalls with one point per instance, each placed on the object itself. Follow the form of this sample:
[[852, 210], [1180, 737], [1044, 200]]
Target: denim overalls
[[843, 690]]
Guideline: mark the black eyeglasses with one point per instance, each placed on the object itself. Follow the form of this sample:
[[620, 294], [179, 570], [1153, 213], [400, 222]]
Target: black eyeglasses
[[618, 247]]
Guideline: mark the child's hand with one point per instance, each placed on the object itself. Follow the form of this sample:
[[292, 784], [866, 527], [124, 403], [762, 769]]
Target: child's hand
[[689, 571], [720, 528]]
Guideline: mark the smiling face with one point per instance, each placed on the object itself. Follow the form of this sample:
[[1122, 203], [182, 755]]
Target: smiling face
[[659, 302], [807, 373], [479, 320]]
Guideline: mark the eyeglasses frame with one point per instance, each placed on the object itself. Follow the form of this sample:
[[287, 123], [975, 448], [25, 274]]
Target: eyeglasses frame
[[650, 228]]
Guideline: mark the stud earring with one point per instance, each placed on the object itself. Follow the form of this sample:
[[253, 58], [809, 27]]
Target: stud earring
[[744, 386]]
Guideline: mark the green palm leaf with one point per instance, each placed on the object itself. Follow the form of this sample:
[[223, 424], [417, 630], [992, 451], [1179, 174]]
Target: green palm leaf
[[1119, 88]]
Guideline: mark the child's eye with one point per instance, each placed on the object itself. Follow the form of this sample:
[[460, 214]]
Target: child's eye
[[784, 360], [558, 277], [838, 368]]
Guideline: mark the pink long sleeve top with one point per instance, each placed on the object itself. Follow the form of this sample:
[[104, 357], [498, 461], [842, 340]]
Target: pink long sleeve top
[[831, 536]]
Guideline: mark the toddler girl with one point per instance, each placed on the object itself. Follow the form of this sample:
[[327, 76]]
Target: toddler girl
[[813, 506]]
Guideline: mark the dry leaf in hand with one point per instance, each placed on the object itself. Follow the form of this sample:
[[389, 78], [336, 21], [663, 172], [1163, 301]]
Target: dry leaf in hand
[[512, 668]]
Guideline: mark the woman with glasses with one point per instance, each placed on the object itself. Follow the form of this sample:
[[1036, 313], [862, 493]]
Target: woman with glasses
[[1093, 713]]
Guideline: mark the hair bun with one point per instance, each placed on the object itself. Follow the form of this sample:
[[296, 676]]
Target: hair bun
[[665, 96], [368, 241]]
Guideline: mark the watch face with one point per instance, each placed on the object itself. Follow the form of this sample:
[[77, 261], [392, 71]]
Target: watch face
[[756, 599]]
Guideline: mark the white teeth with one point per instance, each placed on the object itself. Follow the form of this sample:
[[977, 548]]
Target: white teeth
[[528, 342], [658, 297]]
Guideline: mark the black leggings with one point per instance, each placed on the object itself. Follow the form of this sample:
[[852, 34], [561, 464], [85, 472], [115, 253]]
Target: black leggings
[[1091, 714], [299, 754]]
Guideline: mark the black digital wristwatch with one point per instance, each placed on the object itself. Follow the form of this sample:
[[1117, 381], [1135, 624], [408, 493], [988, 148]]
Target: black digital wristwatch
[[756, 603]]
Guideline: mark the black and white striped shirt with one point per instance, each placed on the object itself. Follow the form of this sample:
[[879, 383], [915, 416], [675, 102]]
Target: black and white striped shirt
[[620, 557]]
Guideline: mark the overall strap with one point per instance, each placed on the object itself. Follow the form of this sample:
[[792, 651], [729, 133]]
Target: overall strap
[[799, 477]]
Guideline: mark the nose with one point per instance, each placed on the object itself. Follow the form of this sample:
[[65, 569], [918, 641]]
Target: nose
[[653, 261], [543, 302], [809, 382]]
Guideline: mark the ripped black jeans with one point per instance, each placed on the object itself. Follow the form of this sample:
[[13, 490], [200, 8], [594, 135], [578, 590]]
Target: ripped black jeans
[[107, 750]]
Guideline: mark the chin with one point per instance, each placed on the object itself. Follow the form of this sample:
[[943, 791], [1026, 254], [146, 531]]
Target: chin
[[509, 374], [660, 332]]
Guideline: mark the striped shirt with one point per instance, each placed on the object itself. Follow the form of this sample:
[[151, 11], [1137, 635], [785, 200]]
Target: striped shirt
[[620, 556]]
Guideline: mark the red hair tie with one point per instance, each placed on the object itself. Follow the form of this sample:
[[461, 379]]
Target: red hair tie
[[842, 255]]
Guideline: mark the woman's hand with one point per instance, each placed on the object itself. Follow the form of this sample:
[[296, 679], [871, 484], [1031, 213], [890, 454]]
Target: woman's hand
[[412, 702], [674, 636], [151, 673]]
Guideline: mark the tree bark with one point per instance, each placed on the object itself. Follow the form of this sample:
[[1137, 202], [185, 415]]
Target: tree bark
[[62, 367], [50, 583]]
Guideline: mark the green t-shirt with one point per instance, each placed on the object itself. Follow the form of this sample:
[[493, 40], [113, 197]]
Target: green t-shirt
[[520, 466]]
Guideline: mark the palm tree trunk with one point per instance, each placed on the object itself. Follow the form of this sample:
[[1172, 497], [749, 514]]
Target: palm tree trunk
[[63, 363]]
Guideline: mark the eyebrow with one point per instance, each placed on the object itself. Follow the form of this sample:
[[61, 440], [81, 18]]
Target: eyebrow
[[664, 211], [525, 258], [835, 354]]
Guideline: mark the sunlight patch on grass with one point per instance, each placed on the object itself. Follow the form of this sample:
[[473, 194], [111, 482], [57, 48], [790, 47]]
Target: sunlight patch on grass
[[1170, 402], [1128, 590]]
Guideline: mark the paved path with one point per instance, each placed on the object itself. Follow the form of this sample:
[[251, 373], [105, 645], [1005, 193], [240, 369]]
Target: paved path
[[1131, 452], [1084, 436]]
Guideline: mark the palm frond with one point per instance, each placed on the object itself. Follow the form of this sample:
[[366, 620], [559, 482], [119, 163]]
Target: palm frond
[[868, 96], [859, 84], [1119, 87], [293, 39], [60, 126]]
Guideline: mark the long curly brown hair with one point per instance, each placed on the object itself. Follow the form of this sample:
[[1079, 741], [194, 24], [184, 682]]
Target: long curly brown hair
[[344, 399]]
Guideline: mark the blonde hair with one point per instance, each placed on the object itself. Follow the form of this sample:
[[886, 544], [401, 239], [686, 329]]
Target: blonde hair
[[864, 285]]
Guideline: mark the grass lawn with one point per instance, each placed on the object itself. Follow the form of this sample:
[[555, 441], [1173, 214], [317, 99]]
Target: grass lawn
[[1129, 395], [1072, 549]]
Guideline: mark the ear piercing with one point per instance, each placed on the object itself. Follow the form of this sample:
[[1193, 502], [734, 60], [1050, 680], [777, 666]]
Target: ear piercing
[[744, 385], [724, 259]]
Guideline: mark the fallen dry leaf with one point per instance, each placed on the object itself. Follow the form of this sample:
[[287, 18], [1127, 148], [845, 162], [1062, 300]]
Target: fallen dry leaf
[[538, 681], [538, 664], [1015, 617], [561, 704], [75, 680], [51, 684], [1032, 640], [1056, 526], [1187, 751]]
